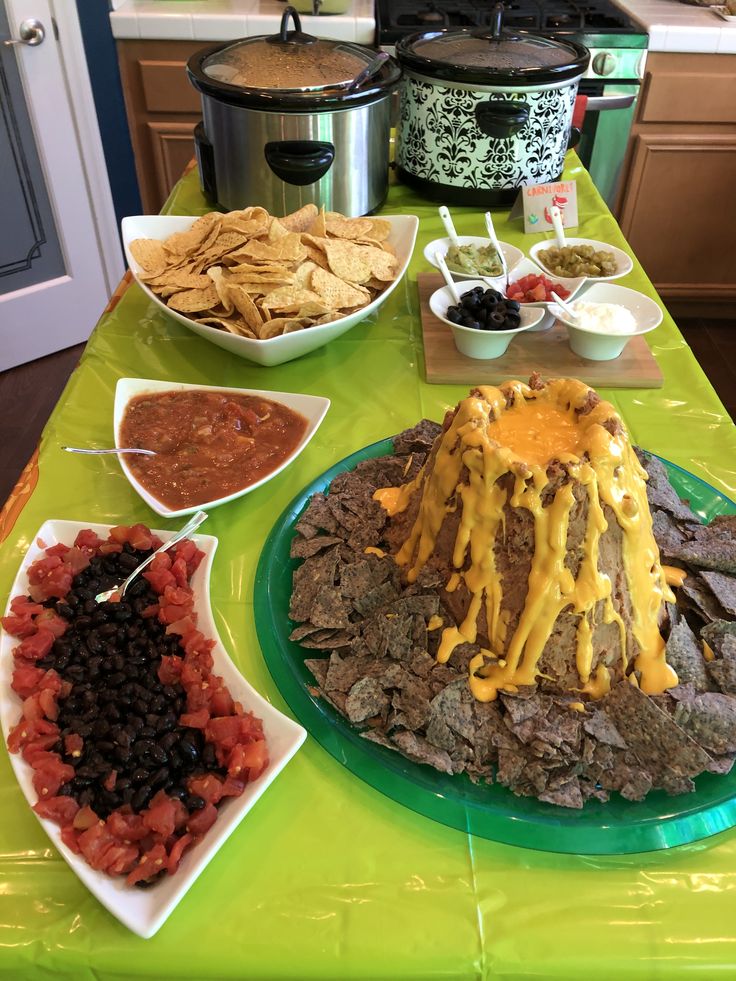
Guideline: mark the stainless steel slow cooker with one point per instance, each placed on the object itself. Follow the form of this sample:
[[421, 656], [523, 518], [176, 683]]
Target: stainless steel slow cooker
[[292, 119], [484, 112]]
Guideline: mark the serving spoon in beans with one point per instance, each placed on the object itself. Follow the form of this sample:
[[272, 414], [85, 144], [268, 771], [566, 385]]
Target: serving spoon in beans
[[119, 591]]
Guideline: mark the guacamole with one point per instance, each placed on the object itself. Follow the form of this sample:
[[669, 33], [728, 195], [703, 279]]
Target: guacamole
[[474, 260]]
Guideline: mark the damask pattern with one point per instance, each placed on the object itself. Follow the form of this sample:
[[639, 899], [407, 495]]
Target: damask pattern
[[439, 140]]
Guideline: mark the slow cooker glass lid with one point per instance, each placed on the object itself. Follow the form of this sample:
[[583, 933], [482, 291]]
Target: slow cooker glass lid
[[258, 63], [507, 52]]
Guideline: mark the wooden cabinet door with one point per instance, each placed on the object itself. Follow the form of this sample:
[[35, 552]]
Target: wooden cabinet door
[[679, 213]]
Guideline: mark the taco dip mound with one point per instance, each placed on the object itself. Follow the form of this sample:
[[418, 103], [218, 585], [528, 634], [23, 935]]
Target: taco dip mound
[[492, 600]]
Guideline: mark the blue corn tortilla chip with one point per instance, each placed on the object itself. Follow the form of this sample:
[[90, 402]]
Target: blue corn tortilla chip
[[660, 491], [723, 668], [365, 700], [685, 654], [708, 717], [723, 588], [713, 546], [660, 746]]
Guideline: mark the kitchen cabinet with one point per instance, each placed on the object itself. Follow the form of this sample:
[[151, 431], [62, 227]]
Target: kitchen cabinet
[[677, 208], [162, 109]]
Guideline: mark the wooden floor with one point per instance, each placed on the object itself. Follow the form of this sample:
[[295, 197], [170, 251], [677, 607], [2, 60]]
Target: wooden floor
[[29, 393]]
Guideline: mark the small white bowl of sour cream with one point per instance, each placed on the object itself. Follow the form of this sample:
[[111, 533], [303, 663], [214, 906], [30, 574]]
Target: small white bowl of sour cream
[[609, 316]]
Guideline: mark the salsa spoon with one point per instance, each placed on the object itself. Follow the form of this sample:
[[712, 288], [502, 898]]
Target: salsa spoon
[[194, 522], [79, 449]]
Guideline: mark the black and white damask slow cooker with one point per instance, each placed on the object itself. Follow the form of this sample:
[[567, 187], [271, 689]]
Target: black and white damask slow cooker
[[483, 112]]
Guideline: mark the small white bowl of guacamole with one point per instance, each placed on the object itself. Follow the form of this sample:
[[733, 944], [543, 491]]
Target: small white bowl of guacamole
[[475, 256]]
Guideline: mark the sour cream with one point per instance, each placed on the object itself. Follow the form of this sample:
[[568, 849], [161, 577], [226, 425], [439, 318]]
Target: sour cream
[[604, 318]]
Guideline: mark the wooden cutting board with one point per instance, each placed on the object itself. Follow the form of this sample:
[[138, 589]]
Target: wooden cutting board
[[546, 352]]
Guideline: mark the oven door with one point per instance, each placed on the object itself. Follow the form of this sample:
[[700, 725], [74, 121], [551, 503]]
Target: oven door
[[605, 133]]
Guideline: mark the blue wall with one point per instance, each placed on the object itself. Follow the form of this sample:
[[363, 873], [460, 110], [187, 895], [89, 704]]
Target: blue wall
[[102, 63]]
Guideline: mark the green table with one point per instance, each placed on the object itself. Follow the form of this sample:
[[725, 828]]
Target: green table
[[327, 878]]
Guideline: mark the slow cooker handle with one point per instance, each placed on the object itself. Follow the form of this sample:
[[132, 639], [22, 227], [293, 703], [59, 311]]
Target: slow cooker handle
[[501, 118], [285, 36], [299, 162], [205, 162]]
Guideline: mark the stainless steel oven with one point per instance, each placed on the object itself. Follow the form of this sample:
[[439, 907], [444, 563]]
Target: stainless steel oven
[[612, 82]]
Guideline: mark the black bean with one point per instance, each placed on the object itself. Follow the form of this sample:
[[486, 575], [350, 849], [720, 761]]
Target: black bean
[[141, 796], [138, 776], [193, 802], [161, 777]]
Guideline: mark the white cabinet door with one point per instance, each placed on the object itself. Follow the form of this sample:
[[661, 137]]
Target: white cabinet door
[[59, 256]]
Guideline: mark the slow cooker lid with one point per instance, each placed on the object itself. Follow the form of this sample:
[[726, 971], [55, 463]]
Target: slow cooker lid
[[493, 57], [507, 52], [289, 62]]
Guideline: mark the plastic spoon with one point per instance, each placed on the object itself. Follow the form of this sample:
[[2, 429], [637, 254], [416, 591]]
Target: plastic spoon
[[564, 306], [496, 245], [556, 216], [194, 522], [440, 260], [78, 449], [449, 227]]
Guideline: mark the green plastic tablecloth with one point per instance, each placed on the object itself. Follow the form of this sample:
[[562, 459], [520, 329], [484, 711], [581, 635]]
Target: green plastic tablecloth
[[327, 878]]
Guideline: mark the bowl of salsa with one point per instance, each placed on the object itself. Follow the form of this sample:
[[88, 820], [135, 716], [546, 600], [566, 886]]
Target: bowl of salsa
[[211, 444]]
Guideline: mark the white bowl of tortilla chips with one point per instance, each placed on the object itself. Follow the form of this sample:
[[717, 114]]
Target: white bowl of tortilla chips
[[269, 289]]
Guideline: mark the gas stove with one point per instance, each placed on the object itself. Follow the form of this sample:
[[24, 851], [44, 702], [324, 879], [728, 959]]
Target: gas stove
[[595, 23]]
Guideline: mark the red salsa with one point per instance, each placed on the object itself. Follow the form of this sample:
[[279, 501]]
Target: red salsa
[[208, 444]]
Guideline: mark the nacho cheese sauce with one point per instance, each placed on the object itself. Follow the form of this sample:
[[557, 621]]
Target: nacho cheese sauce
[[208, 444], [492, 440]]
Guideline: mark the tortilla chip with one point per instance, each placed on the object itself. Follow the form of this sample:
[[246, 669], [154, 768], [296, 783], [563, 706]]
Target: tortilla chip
[[335, 292], [299, 221], [192, 301]]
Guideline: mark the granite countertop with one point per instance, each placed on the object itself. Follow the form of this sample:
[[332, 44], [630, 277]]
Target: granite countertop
[[671, 25], [223, 20]]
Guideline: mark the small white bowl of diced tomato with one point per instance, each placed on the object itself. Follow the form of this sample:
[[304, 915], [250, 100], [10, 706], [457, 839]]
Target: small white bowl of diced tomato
[[532, 287]]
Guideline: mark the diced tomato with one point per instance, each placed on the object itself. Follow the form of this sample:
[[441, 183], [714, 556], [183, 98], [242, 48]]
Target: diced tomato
[[233, 787], [70, 838], [73, 745], [164, 814], [159, 573], [85, 818], [149, 865], [49, 577], [51, 776], [59, 809], [221, 702], [41, 744], [51, 681], [223, 731], [170, 669], [35, 647], [176, 852], [191, 555], [26, 732], [94, 843], [26, 679], [88, 539], [535, 289], [150, 611], [249, 757], [195, 720], [201, 821], [59, 550], [110, 548], [207, 786], [126, 825], [184, 627], [77, 560], [110, 780]]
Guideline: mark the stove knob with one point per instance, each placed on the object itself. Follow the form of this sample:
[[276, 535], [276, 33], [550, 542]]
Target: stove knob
[[604, 63]]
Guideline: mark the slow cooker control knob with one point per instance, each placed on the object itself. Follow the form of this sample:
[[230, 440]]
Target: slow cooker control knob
[[604, 63]]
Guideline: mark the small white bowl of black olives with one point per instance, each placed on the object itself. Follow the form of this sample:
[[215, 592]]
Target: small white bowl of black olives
[[484, 322]]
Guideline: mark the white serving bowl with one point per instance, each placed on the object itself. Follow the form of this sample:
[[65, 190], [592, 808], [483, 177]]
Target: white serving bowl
[[313, 407], [482, 345], [274, 350], [595, 346], [512, 255], [144, 910], [624, 263], [527, 267]]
